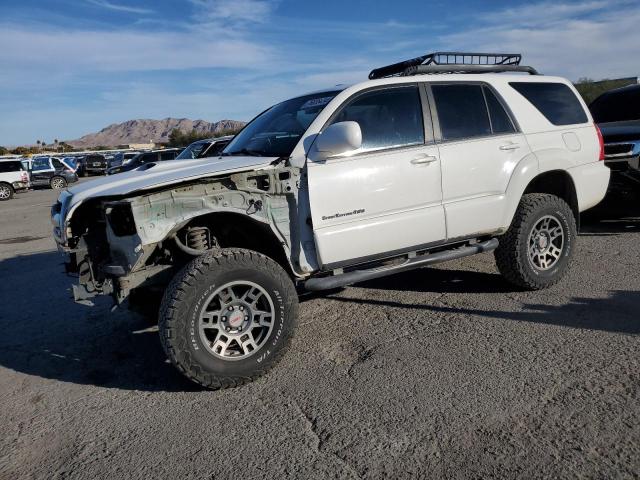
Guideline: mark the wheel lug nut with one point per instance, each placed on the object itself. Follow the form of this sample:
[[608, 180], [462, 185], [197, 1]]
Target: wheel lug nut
[[241, 308], [246, 317], [227, 329]]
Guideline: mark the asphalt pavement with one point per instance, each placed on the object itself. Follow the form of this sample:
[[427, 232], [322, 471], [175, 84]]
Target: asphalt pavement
[[444, 372]]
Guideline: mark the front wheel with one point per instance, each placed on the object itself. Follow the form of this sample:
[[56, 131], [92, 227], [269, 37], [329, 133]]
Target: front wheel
[[536, 251], [6, 192], [227, 317]]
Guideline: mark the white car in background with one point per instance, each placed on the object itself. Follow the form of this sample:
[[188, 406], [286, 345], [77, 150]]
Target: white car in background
[[13, 177]]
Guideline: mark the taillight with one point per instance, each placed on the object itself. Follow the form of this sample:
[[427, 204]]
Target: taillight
[[601, 141]]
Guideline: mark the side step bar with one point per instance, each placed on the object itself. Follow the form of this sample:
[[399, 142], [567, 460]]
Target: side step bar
[[356, 276]]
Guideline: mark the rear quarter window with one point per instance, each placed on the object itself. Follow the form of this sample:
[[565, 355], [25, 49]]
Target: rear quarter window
[[6, 167], [556, 101]]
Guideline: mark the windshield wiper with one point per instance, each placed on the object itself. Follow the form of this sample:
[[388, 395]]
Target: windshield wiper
[[246, 151]]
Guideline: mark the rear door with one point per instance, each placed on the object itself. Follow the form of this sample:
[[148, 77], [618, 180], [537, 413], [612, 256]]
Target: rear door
[[480, 145], [386, 197]]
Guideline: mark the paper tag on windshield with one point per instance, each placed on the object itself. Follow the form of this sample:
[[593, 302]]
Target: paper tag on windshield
[[316, 102]]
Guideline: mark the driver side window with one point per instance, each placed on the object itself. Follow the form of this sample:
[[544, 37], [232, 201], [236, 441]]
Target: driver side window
[[388, 118]]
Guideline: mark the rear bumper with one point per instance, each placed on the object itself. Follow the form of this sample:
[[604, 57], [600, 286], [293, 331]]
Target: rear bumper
[[591, 182], [20, 185]]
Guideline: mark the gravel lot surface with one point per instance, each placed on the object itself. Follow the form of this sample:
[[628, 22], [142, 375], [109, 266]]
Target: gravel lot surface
[[444, 372]]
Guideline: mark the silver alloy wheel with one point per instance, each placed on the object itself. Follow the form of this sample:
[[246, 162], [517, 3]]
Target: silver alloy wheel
[[57, 184], [236, 320], [546, 242], [5, 192]]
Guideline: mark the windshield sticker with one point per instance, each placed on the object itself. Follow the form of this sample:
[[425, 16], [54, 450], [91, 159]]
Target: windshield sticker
[[316, 102]]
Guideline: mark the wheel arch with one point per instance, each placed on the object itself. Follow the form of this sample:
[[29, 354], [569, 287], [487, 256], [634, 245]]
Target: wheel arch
[[235, 230], [558, 183]]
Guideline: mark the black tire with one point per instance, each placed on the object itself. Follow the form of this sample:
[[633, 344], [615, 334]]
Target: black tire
[[513, 255], [6, 192], [59, 181], [187, 296]]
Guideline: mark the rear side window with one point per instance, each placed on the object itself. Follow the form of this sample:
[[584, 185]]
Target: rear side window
[[500, 121], [555, 101], [149, 157], [10, 167], [57, 163], [387, 118], [462, 111]]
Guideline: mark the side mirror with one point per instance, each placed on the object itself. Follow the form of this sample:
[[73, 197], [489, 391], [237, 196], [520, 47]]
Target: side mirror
[[341, 137]]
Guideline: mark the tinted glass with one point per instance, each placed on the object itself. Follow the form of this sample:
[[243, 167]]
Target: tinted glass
[[149, 157], [10, 167], [40, 164], [193, 151], [168, 155], [462, 111], [500, 121], [387, 118], [555, 101], [617, 106], [276, 131], [57, 163]]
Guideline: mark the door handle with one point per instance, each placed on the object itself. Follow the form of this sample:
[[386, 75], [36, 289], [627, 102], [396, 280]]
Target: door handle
[[423, 159], [509, 146]]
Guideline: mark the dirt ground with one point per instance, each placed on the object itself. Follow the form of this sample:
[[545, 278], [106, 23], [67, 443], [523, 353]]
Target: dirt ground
[[444, 372]]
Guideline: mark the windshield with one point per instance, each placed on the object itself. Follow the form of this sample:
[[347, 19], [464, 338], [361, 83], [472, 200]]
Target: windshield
[[276, 131], [193, 151]]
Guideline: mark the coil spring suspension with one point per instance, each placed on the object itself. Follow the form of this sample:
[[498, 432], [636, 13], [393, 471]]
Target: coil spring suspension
[[198, 238]]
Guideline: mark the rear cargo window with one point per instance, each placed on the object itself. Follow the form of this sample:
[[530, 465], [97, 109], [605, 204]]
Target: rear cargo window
[[555, 101], [10, 167]]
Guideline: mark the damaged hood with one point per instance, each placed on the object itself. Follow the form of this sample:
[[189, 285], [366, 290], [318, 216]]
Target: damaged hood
[[162, 173]]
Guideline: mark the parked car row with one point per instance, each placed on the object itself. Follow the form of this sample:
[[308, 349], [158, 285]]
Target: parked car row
[[57, 172]]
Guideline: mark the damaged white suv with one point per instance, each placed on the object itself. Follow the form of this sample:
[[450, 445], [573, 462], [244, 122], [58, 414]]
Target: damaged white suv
[[404, 170]]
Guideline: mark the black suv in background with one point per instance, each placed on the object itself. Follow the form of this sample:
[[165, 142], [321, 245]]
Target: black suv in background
[[95, 163], [50, 171], [145, 157], [617, 113]]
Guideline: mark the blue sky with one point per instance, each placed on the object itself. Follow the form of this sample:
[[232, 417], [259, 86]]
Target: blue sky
[[70, 67]]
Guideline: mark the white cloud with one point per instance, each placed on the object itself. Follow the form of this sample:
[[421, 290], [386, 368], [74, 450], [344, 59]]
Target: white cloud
[[77, 51], [234, 10], [603, 44], [119, 7]]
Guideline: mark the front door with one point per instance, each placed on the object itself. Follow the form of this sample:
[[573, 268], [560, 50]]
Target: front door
[[386, 197]]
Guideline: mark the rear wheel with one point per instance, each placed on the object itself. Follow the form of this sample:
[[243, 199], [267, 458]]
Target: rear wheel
[[6, 191], [536, 251], [58, 183], [227, 317]]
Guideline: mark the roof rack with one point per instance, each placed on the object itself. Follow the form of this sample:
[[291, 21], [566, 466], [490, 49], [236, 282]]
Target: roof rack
[[454, 62]]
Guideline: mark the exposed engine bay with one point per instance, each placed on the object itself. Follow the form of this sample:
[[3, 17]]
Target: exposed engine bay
[[116, 244]]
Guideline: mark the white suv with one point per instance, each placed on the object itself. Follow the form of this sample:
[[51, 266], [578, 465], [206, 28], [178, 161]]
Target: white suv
[[13, 177], [335, 187]]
